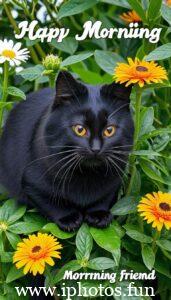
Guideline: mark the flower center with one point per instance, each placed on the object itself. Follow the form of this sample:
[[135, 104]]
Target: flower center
[[165, 206], [36, 249], [9, 53], [3, 226], [141, 69]]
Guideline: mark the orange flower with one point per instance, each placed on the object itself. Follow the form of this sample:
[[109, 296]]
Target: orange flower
[[168, 2], [32, 253], [130, 17], [140, 72], [156, 209]]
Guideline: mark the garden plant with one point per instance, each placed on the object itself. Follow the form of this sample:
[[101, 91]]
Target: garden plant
[[139, 238]]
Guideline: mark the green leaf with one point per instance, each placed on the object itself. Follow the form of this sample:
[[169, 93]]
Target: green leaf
[[160, 53], [154, 9], [7, 209], [84, 241], [6, 256], [119, 229], [147, 168], [148, 256], [12, 90], [76, 58], [164, 244], [106, 238], [32, 73], [73, 7], [101, 263], [88, 76], [146, 120], [14, 274], [24, 227], [161, 142], [1, 242], [17, 214], [166, 13], [162, 266], [146, 153], [121, 3], [116, 256], [68, 45], [107, 60], [35, 218], [7, 105], [70, 266], [162, 85], [138, 236], [135, 4], [56, 231], [13, 239], [156, 133], [136, 185], [126, 205]]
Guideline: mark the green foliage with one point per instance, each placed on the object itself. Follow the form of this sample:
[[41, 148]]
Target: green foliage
[[129, 242]]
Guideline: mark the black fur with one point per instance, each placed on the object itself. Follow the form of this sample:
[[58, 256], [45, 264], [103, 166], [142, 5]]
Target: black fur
[[42, 126]]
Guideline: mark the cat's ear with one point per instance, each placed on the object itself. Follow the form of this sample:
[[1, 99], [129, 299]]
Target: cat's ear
[[116, 90], [67, 88]]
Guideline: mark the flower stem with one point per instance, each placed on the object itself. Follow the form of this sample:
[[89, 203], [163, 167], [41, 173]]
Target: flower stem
[[137, 116], [4, 93], [155, 238], [10, 17], [52, 80], [136, 135]]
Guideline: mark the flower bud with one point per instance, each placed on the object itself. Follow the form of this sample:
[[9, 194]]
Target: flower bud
[[52, 62]]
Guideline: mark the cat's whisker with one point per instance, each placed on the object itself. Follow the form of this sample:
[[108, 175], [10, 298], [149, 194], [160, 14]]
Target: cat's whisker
[[75, 147], [118, 158], [54, 165], [64, 176], [117, 168], [118, 152], [77, 163], [107, 166], [49, 156], [74, 165], [62, 167], [122, 146]]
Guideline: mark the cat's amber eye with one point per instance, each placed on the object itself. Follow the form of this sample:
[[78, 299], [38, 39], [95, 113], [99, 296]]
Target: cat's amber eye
[[79, 130], [109, 131]]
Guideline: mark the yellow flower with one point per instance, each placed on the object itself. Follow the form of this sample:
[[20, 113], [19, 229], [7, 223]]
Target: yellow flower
[[3, 226], [130, 17], [36, 250], [156, 209], [140, 72]]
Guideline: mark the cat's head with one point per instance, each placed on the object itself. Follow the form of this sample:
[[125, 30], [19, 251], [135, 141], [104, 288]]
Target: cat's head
[[90, 123]]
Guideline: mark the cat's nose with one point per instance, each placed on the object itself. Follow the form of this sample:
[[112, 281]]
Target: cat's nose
[[95, 147], [95, 151]]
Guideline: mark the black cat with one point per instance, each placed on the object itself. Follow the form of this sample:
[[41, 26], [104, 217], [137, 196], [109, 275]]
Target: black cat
[[65, 154]]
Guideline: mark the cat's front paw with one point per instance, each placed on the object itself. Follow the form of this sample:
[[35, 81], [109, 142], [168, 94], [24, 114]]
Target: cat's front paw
[[99, 219], [71, 222]]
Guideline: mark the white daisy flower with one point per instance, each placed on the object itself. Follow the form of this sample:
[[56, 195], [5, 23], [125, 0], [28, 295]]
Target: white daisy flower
[[12, 53]]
